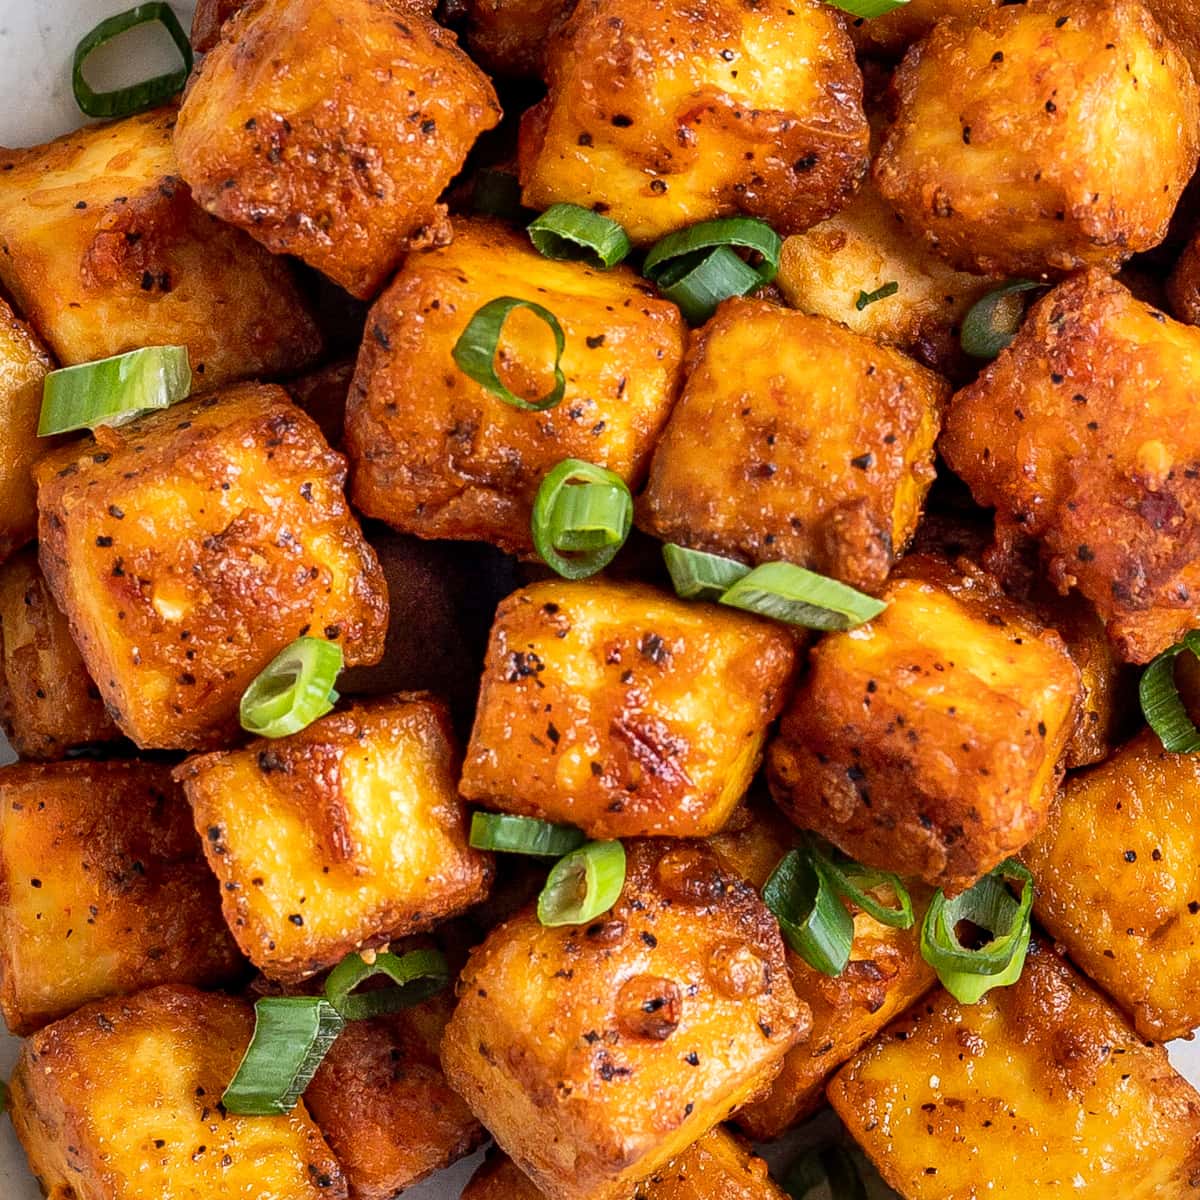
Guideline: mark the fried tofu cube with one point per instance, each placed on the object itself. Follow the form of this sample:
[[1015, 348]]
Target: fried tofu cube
[[1041, 1089], [121, 1101], [885, 975], [1085, 435], [669, 114], [464, 464], [1118, 882], [819, 453], [341, 158], [383, 1105], [891, 33], [23, 365], [48, 701], [1180, 21], [104, 251], [832, 270], [620, 709], [594, 1056], [1023, 147], [189, 547], [719, 1166], [927, 741], [104, 889], [343, 836], [509, 37]]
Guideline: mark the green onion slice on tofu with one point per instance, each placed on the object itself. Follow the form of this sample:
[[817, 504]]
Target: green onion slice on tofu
[[511, 834], [969, 973], [825, 1169], [582, 511], [788, 593], [854, 882], [293, 690], [114, 390], [993, 321], [138, 97], [417, 975], [477, 346], [583, 884], [813, 920], [697, 575], [880, 293], [292, 1034], [697, 267], [570, 231], [868, 8], [1162, 705]]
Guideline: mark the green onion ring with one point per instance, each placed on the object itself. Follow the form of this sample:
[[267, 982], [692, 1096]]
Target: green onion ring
[[581, 509], [1161, 703], [583, 884], [788, 593], [572, 232], [509, 834], [418, 975], [293, 690]]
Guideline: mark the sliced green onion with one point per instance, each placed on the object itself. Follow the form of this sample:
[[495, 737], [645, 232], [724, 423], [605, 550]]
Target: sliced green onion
[[293, 690], [867, 8], [475, 351], [698, 285], [813, 921], [418, 975], [880, 293], [697, 575], [497, 194], [745, 232], [114, 390], [582, 510], [570, 231], [124, 102], [854, 882], [968, 974], [583, 884], [1162, 705], [523, 835], [829, 1167], [993, 320], [292, 1034], [786, 592]]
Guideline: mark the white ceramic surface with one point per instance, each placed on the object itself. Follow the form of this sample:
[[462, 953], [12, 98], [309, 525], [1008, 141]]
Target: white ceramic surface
[[37, 38]]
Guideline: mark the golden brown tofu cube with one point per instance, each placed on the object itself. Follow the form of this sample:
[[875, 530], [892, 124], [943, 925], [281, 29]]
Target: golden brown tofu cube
[[103, 889], [595, 1055], [383, 1105], [464, 464], [1180, 20], [104, 251], [509, 37], [832, 269], [927, 741], [819, 453], [1023, 146], [345, 835], [1041, 1089], [667, 114], [620, 709], [885, 975], [121, 1101], [717, 1167], [1085, 434], [891, 33], [48, 701], [1118, 882], [189, 547], [341, 158], [23, 364]]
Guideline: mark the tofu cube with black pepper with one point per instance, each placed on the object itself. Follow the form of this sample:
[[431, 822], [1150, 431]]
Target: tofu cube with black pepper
[[1040, 1089], [383, 1104], [23, 365], [819, 453], [667, 114], [927, 741], [885, 975], [189, 547], [49, 704], [340, 159], [343, 836], [103, 251], [122, 1101], [105, 889], [1042, 137], [1084, 435], [1118, 882], [622, 710], [597, 1054], [462, 463]]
